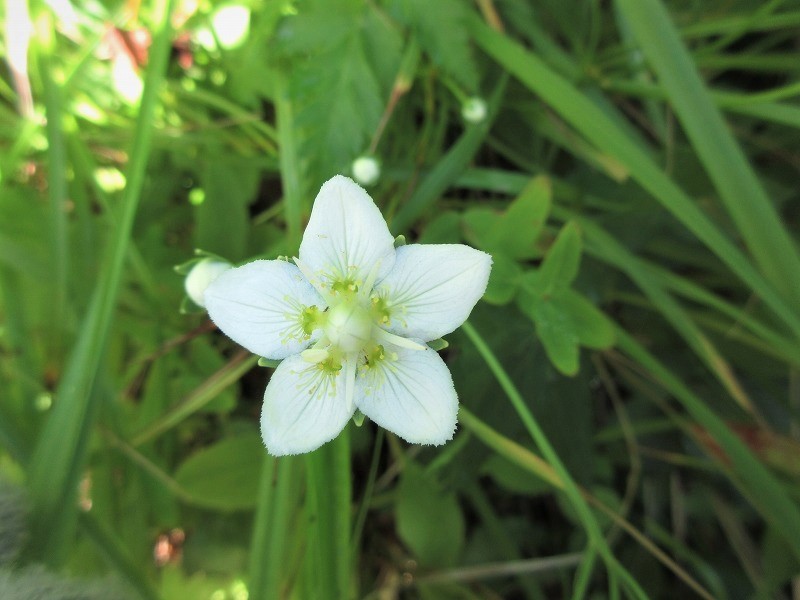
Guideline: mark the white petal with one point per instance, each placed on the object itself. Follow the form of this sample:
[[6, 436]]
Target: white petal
[[259, 305], [433, 287], [412, 396], [304, 407], [346, 235]]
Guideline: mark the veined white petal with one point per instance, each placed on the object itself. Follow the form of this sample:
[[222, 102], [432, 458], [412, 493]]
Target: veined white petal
[[260, 306], [432, 288], [304, 406], [410, 394], [346, 235]]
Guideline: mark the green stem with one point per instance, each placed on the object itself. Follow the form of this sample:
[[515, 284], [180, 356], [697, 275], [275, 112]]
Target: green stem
[[273, 521], [328, 514]]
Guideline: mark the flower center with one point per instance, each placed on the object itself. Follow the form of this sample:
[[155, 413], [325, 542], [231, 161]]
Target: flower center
[[348, 326]]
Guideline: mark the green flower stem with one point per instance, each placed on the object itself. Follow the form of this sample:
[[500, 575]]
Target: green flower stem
[[569, 488], [56, 461], [328, 514], [289, 163], [274, 518]]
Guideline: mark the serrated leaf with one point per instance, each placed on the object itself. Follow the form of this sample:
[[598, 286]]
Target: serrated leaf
[[503, 280], [441, 29], [429, 520], [336, 93], [560, 266], [224, 475], [594, 328]]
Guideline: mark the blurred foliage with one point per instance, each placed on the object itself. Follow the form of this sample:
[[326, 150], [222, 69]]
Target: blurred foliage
[[635, 179]]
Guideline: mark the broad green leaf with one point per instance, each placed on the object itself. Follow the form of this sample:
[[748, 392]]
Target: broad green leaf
[[515, 231], [224, 475], [594, 329], [558, 335], [429, 520], [562, 261], [503, 280]]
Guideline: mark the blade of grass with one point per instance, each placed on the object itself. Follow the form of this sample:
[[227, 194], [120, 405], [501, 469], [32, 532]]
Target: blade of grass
[[600, 129], [770, 498], [569, 487], [529, 461], [58, 452], [56, 181], [739, 189]]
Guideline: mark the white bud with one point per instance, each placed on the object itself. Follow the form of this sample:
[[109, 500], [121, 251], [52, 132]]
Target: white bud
[[366, 170], [474, 109], [201, 276]]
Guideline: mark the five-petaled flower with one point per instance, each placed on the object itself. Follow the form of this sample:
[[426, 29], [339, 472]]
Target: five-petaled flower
[[350, 320]]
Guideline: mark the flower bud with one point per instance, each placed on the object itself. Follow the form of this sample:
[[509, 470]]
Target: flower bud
[[202, 274], [366, 170], [474, 109]]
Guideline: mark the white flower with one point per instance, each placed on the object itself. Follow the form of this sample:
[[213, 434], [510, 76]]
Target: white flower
[[474, 109], [366, 170], [202, 274], [351, 318]]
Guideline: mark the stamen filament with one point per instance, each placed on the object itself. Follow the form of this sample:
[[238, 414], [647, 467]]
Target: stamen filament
[[313, 280], [382, 335]]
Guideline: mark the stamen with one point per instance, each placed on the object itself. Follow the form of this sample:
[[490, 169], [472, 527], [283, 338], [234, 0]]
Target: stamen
[[313, 280], [379, 334]]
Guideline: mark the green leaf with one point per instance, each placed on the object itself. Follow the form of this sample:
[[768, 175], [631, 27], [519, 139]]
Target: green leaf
[[335, 88], [224, 475], [515, 231], [503, 280], [429, 520], [595, 329], [558, 334], [560, 266], [441, 29]]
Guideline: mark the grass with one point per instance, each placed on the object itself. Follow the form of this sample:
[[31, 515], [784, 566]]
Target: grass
[[629, 427]]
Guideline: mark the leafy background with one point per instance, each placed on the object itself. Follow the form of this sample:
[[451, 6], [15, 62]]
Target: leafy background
[[629, 384]]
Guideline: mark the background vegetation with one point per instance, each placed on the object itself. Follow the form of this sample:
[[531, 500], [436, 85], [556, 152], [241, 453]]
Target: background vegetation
[[629, 385]]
